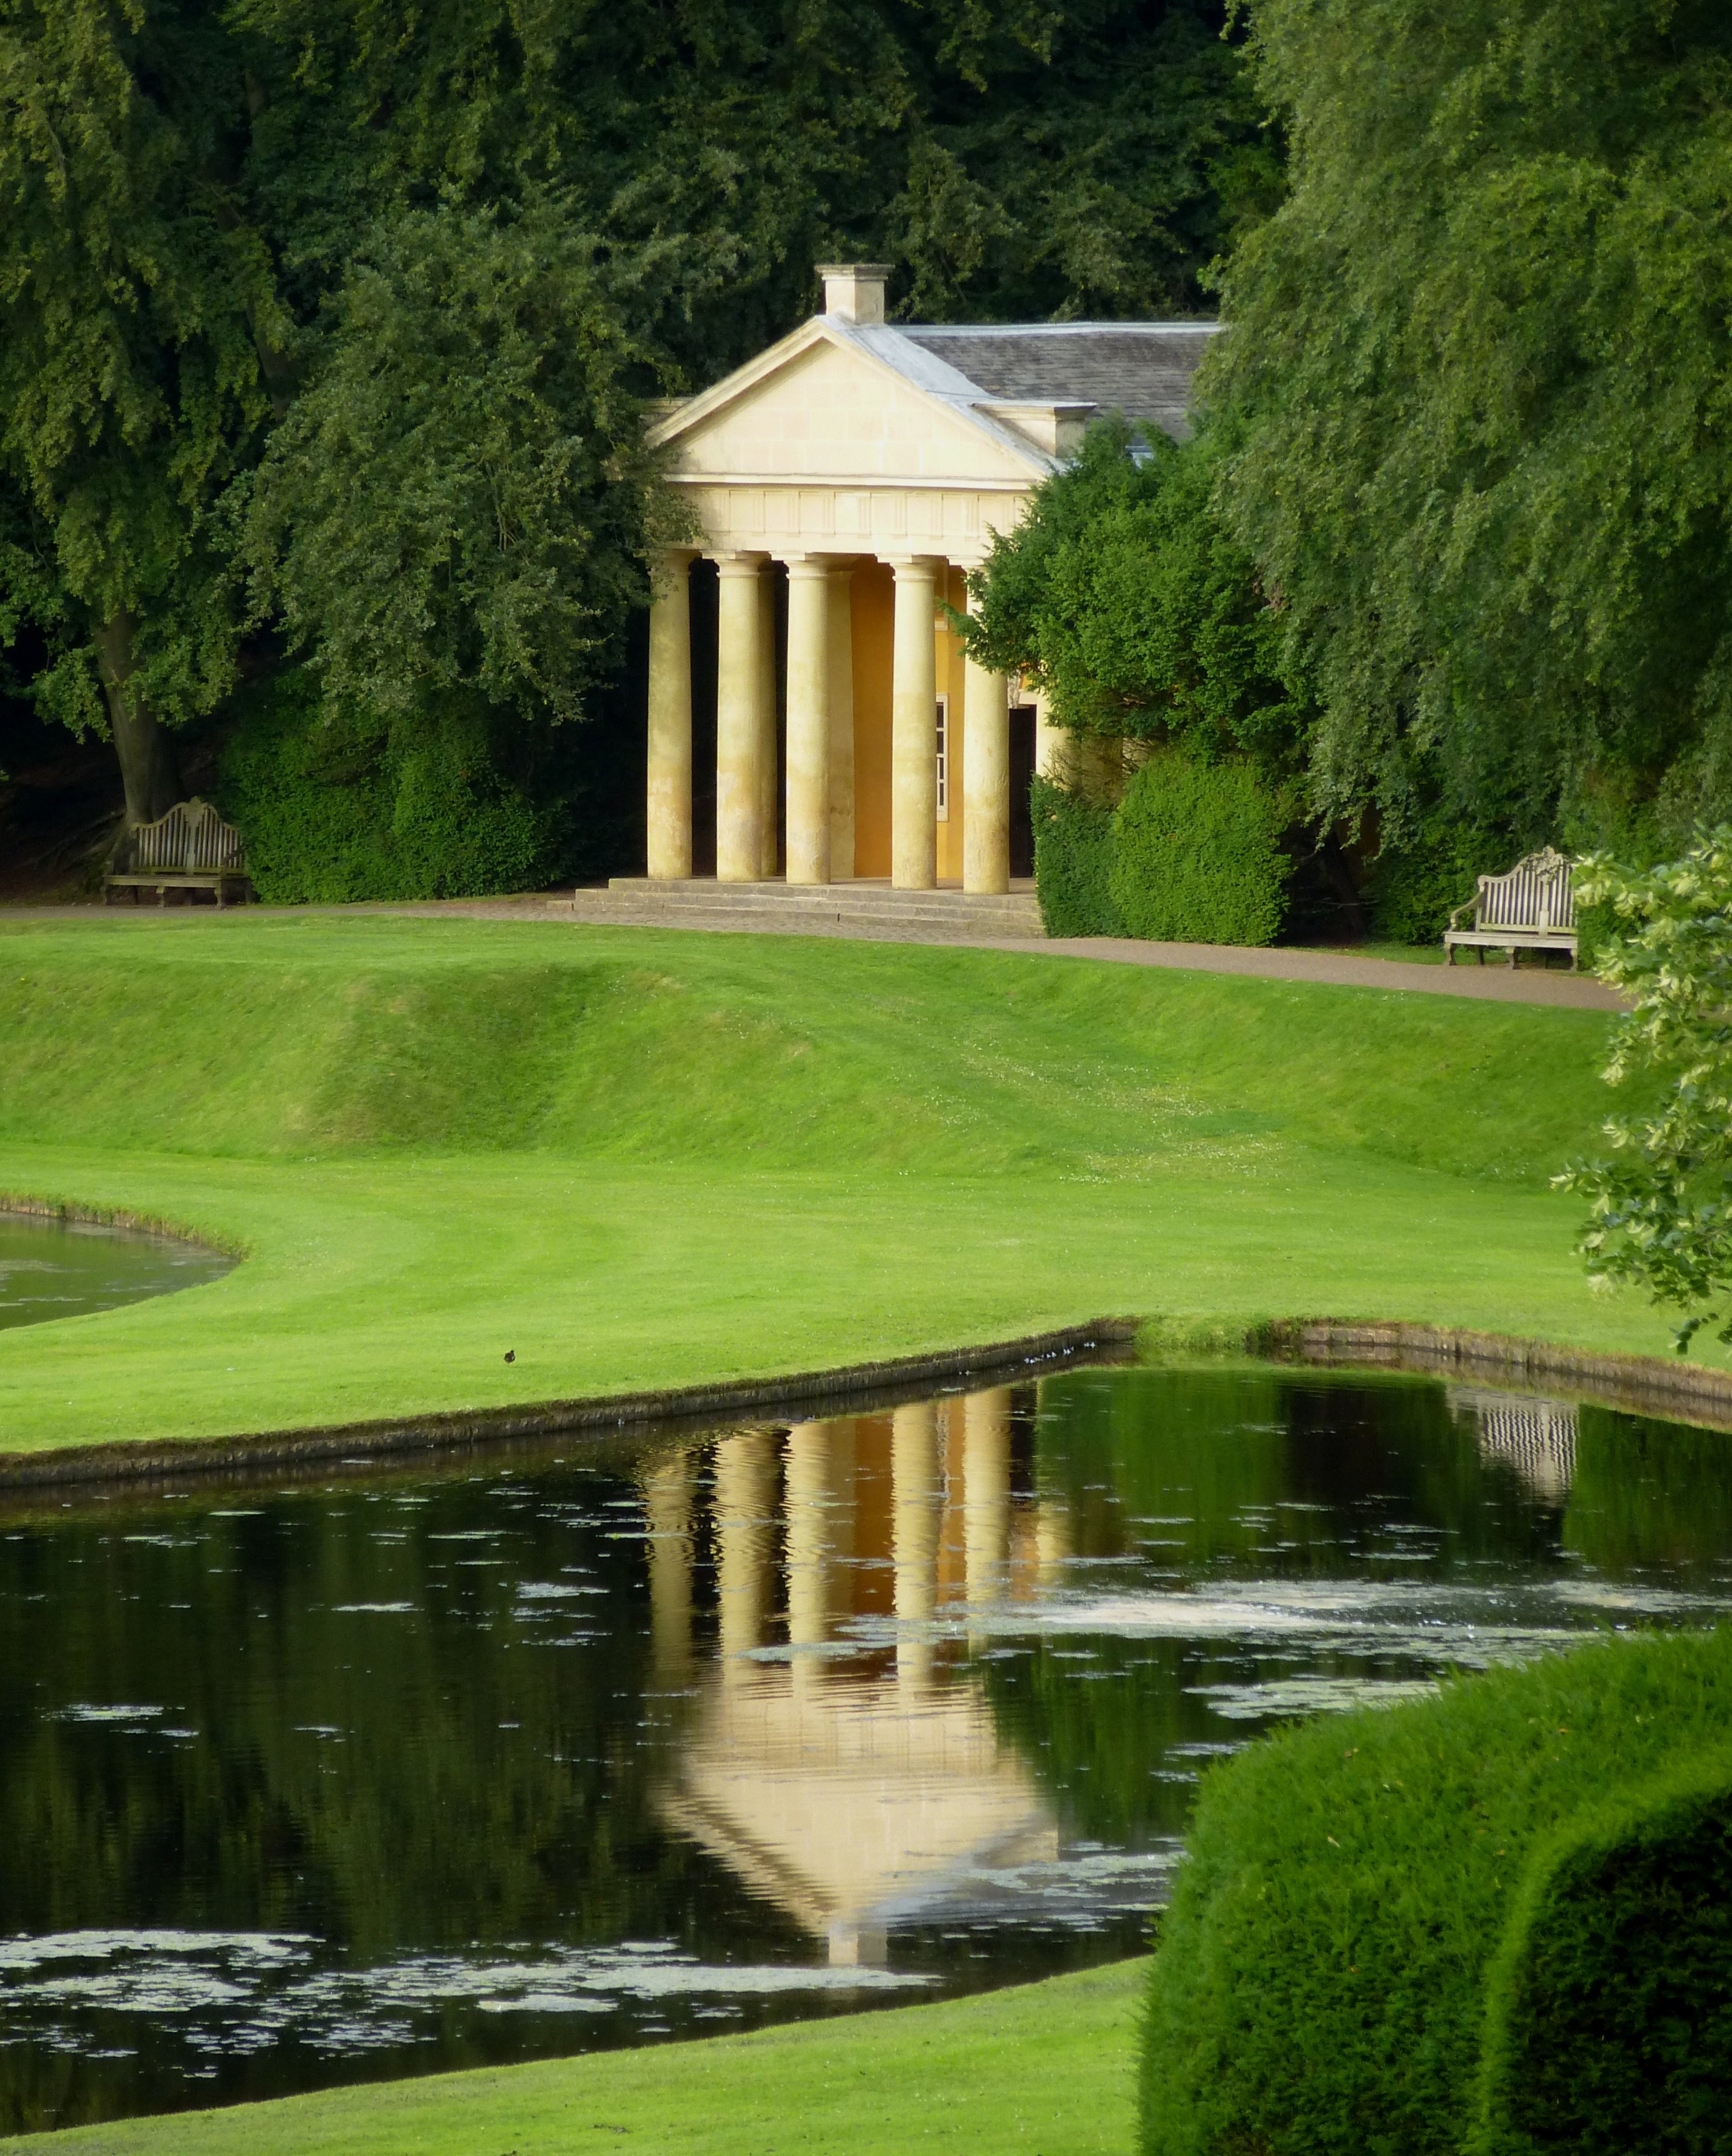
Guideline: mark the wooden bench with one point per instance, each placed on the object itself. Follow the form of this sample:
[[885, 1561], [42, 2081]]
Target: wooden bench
[[190, 848], [1532, 908]]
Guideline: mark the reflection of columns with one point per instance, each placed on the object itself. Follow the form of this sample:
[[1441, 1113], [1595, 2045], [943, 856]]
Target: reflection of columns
[[985, 1488], [739, 739], [840, 645], [670, 718], [986, 780], [667, 1510], [745, 1502], [808, 721], [768, 776], [1052, 1540], [913, 1477], [808, 1487], [913, 732]]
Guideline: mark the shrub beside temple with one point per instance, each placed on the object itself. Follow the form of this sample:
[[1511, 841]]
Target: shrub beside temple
[[1491, 1924], [1192, 854]]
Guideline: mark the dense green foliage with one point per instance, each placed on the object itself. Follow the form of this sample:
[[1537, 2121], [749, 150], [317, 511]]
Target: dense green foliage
[[1609, 2023], [1661, 1215], [1322, 1978], [1414, 887], [135, 291], [1122, 594], [338, 805], [453, 514], [1196, 856], [1074, 862], [426, 263], [1482, 347], [1191, 854]]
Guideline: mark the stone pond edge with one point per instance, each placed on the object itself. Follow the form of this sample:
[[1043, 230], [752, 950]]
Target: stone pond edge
[[131, 1460], [1635, 1383]]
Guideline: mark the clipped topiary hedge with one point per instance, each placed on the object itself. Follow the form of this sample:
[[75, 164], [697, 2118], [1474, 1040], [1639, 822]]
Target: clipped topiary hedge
[[1609, 2020], [1074, 848], [1191, 855], [1386, 1920], [1198, 855]]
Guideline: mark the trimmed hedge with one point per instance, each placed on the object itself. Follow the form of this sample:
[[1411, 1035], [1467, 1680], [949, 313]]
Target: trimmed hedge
[[1073, 863], [1609, 2022], [1197, 854], [1385, 1917], [333, 809], [1191, 855]]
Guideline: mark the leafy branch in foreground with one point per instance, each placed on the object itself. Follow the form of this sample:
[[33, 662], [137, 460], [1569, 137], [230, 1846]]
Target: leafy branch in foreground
[[1660, 1211]]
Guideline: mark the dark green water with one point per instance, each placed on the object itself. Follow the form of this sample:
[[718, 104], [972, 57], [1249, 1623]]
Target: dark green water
[[54, 1269], [419, 1770]]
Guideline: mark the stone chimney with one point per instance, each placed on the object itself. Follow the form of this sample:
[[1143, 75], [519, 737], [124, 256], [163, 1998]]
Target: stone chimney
[[854, 291]]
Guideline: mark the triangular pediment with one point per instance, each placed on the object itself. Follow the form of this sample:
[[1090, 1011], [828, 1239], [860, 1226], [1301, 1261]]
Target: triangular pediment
[[822, 406]]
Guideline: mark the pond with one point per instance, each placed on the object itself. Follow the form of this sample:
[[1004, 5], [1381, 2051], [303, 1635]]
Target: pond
[[69, 1268], [393, 1771]]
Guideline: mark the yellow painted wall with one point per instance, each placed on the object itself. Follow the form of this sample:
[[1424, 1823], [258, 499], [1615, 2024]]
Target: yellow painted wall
[[873, 611]]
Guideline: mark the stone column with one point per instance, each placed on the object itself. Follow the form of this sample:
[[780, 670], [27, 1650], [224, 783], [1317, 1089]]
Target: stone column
[[914, 731], [769, 777], [985, 781], [808, 720], [841, 651], [739, 721], [670, 718]]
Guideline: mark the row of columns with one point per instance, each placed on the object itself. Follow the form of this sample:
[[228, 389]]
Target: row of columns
[[820, 729]]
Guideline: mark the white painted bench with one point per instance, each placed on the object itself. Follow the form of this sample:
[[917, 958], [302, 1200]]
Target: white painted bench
[[1532, 908], [190, 848]]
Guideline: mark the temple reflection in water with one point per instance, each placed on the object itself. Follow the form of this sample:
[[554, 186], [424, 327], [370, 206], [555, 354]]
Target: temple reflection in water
[[853, 1789]]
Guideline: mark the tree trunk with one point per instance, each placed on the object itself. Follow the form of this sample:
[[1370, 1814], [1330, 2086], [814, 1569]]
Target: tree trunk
[[148, 768]]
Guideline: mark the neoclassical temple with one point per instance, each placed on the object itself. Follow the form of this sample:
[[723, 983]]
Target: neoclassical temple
[[812, 713]]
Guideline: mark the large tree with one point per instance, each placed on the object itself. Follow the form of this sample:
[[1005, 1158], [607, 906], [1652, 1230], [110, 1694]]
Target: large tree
[[214, 210], [1013, 158], [135, 294], [1484, 348]]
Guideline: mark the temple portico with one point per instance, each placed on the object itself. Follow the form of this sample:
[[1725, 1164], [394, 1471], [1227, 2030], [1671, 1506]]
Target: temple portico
[[840, 488], [786, 705]]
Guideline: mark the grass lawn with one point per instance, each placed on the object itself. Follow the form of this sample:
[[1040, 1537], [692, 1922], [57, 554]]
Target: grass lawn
[[1047, 2069], [636, 1159]]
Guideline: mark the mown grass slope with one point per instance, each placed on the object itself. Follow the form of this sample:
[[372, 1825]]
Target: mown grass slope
[[640, 1159], [1047, 2068]]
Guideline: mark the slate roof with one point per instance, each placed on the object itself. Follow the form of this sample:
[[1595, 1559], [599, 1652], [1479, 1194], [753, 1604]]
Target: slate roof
[[1142, 369]]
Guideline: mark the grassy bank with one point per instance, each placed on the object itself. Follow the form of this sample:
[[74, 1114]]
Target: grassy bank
[[1047, 2068], [635, 1159]]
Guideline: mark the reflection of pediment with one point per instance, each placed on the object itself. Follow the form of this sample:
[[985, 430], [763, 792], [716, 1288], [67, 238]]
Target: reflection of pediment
[[848, 1803]]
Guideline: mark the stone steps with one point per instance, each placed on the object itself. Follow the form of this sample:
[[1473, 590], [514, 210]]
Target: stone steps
[[841, 908]]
